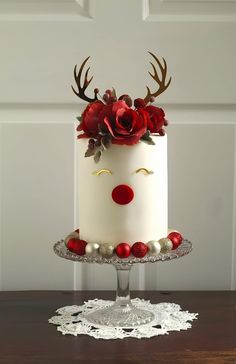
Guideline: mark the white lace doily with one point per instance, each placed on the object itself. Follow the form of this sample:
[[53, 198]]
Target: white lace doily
[[168, 317]]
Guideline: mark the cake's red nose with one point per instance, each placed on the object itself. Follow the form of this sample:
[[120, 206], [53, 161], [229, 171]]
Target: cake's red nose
[[122, 194]]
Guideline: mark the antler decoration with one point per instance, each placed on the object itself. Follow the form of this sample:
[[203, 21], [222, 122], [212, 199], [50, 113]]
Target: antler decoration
[[160, 81], [81, 89]]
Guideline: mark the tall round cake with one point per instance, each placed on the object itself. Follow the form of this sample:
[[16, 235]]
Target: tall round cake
[[123, 198]]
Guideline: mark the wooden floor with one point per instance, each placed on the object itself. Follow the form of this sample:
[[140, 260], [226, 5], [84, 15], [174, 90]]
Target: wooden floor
[[26, 336]]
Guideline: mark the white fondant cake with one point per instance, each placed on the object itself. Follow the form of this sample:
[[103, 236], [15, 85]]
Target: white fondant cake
[[103, 220]]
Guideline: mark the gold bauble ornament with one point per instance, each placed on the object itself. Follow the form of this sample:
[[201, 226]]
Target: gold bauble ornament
[[106, 250], [154, 247], [166, 245], [74, 234], [92, 249]]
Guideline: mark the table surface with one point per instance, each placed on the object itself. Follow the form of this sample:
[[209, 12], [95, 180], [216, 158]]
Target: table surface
[[26, 336]]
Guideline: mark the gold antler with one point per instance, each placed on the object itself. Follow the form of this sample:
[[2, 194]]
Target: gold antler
[[81, 89], [160, 81]]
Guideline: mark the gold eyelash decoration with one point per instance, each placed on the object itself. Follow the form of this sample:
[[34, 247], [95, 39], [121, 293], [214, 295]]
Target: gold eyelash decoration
[[97, 173], [144, 170]]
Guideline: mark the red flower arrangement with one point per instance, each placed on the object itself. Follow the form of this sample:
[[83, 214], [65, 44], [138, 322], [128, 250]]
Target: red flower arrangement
[[113, 120]]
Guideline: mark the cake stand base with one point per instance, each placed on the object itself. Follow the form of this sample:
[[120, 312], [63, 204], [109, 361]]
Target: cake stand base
[[126, 316], [72, 320]]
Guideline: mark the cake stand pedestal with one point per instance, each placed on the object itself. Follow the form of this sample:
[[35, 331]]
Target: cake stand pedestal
[[122, 313]]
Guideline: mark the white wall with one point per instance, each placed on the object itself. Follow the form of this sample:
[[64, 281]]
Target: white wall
[[40, 43]]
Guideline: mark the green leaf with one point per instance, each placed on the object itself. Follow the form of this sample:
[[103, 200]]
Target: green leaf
[[147, 134], [89, 152], [113, 93], [97, 156], [79, 118], [106, 141], [147, 140]]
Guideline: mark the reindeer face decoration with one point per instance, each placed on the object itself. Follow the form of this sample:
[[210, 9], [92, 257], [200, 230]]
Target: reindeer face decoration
[[124, 196]]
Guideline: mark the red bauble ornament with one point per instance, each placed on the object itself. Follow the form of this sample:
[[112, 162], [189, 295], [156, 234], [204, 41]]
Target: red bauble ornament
[[139, 249], [77, 246], [77, 231], [176, 239], [123, 250], [122, 194]]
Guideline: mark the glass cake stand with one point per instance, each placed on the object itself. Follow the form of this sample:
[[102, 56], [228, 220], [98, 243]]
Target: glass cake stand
[[122, 313]]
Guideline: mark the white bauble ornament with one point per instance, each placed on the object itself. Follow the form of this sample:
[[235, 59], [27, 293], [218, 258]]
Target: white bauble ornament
[[92, 249], [154, 247]]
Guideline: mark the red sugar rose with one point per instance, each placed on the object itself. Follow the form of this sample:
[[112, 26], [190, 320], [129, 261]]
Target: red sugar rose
[[156, 118], [139, 103], [124, 124], [90, 118]]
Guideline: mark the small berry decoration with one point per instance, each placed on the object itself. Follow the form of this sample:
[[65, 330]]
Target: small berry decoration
[[123, 250], [77, 246], [139, 249], [176, 239]]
